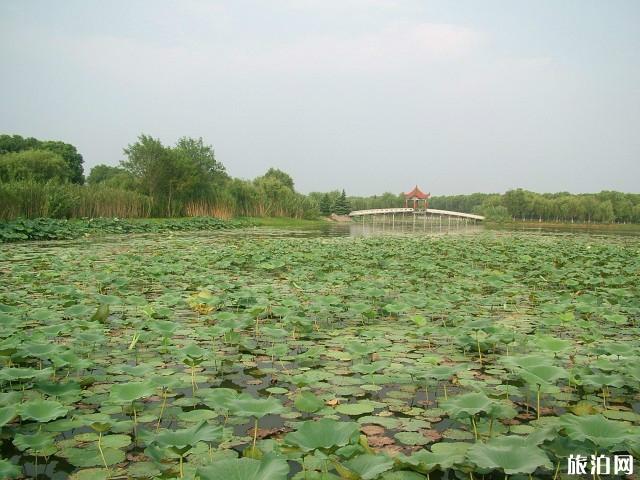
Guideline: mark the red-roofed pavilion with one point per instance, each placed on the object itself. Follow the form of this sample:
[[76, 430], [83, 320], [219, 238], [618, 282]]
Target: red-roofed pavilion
[[416, 195]]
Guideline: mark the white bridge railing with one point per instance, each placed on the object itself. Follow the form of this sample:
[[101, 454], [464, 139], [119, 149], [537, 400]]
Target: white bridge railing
[[386, 211]]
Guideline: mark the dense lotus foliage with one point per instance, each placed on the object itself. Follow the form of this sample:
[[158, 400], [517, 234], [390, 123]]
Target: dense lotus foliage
[[56, 229], [235, 356]]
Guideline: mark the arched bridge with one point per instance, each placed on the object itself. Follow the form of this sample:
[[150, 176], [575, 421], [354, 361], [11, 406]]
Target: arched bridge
[[431, 211]]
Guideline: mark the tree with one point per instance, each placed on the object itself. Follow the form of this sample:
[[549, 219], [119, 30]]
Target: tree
[[342, 206], [284, 178], [175, 176], [604, 212], [516, 202], [102, 173], [35, 165], [114, 177], [16, 143], [155, 167], [201, 156], [325, 205], [71, 156]]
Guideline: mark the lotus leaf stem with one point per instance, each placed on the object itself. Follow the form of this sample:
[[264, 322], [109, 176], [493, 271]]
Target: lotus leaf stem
[[475, 428], [255, 435], [104, 460], [162, 407]]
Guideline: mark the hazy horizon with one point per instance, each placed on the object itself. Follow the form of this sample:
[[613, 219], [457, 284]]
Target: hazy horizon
[[370, 96]]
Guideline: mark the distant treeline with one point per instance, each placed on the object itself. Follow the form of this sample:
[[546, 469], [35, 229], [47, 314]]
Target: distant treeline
[[522, 205], [45, 179]]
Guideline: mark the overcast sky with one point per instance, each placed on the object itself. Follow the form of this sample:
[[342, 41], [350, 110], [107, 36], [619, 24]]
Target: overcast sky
[[370, 96]]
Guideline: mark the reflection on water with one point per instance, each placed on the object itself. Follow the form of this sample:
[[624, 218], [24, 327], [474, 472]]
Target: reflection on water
[[368, 229]]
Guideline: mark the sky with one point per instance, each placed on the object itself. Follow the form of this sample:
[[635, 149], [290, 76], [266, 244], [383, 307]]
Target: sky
[[367, 95]]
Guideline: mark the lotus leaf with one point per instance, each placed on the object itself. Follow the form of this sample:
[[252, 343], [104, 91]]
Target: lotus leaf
[[368, 466], [355, 409], [36, 442], [325, 434], [129, 392], [268, 468], [308, 402], [42, 410], [202, 432], [512, 454], [9, 470], [443, 456], [597, 429], [7, 414], [247, 406], [467, 404]]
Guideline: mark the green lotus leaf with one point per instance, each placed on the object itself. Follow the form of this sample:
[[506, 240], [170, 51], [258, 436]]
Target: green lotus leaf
[[411, 438], [553, 344], [268, 468], [597, 429], [402, 475], [39, 350], [91, 474], [355, 409], [9, 470], [368, 466], [189, 436], [194, 351], [101, 313], [441, 372], [56, 389], [90, 456], [325, 433], [17, 373], [129, 392], [7, 414], [218, 398], [36, 442], [443, 456], [467, 405], [308, 402], [542, 374], [116, 441], [512, 454], [277, 390], [42, 410], [599, 379], [247, 406], [164, 327]]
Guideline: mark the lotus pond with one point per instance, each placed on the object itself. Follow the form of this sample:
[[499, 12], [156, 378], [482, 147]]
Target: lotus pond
[[490, 355]]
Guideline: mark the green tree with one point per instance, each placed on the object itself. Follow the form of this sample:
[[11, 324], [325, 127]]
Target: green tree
[[156, 168], [342, 206], [604, 213], [16, 143], [325, 205], [516, 202], [102, 173], [34, 165], [71, 156], [282, 177]]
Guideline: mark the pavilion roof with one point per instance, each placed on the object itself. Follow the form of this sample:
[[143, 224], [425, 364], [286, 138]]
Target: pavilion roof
[[417, 193]]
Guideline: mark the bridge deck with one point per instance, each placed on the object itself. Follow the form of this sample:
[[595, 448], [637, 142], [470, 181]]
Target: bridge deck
[[386, 211]]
